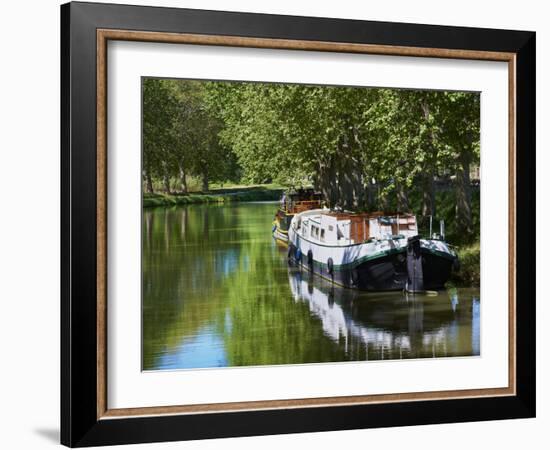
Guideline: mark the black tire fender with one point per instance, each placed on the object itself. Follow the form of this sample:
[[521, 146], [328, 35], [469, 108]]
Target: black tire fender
[[330, 266], [298, 255], [354, 276]]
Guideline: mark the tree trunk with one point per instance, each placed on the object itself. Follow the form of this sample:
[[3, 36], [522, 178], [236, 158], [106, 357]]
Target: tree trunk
[[428, 195], [359, 197], [428, 188], [357, 186], [402, 198], [383, 200], [148, 182], [183, 179], [347, 193], [327, 183], [205, 182], [165, 177], [370, 188], [345, 188], [464, 195], [350, 182]]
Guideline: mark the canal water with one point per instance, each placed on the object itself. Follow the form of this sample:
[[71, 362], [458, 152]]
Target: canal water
[[218, 292]]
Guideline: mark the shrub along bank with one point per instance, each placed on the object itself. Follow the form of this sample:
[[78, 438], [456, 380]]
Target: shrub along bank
[[249, 195]]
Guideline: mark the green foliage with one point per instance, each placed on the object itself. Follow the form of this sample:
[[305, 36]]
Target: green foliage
[[363, 148], [469, 272], [445, 200], [180, 135]]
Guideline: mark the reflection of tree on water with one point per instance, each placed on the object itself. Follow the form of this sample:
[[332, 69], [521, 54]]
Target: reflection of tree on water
[[182, 255], [391, 325]]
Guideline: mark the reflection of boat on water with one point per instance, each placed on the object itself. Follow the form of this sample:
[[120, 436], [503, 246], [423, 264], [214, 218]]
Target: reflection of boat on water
[[390, 325], [293, 203], [370, 251]]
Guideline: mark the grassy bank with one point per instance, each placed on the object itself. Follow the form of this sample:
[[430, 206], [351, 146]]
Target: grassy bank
[[468, 274], [216, 195]]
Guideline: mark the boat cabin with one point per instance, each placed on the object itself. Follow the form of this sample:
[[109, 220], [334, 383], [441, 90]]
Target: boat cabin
[[349, 228], [301, 200]]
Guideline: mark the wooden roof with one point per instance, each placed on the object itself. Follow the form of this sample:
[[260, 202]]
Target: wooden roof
[[344, 215]]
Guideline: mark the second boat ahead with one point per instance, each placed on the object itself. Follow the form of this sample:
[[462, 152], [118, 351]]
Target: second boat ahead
[[292, 203]]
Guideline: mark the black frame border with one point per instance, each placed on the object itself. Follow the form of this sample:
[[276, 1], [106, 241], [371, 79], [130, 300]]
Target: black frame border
[[79, 423]]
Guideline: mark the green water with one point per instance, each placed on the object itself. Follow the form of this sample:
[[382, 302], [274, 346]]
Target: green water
[[218, 292]]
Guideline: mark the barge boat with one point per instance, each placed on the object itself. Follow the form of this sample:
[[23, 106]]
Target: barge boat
[[370, 251]]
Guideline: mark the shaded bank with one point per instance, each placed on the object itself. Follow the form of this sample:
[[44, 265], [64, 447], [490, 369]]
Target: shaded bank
[[253, 194], [469, 272]]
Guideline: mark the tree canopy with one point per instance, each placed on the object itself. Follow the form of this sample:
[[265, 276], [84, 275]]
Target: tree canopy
[[364, 148]]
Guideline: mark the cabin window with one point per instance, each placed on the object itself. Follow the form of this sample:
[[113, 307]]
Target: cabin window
[[322, 234], [330, 228], [314, 231]]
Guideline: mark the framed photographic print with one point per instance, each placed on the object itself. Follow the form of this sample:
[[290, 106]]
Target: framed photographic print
[[276, 224]]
